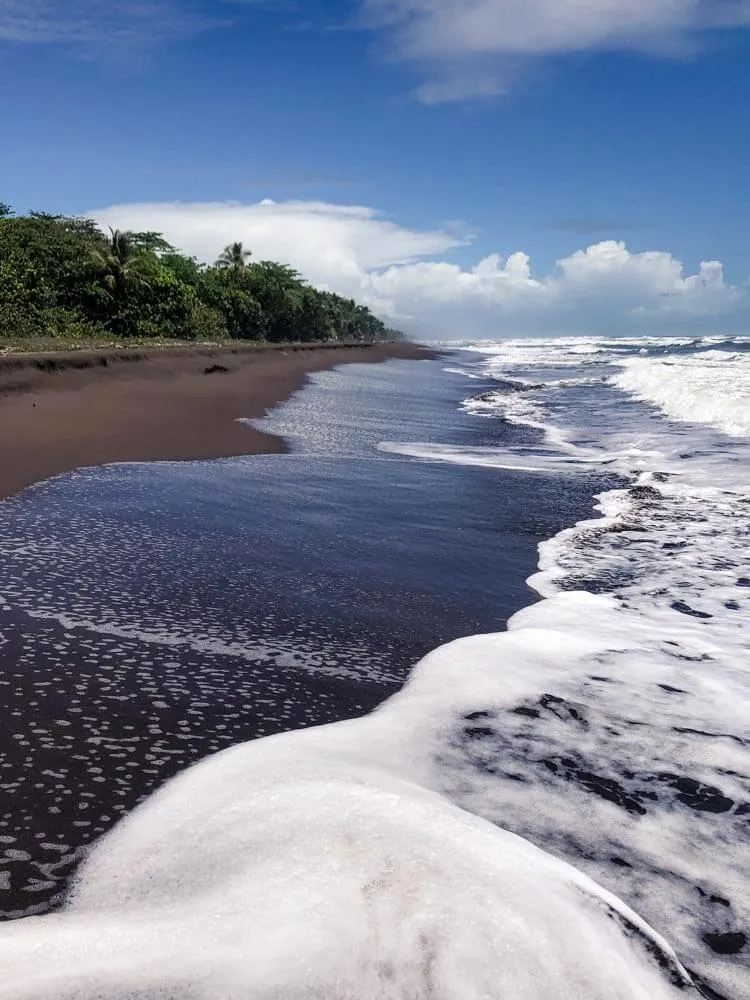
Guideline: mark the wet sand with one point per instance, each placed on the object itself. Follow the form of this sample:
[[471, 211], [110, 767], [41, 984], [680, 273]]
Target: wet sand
[[156, 614], [60, 412]]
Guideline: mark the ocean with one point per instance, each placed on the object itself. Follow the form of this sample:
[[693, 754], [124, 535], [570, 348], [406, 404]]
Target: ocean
[[533, 555]]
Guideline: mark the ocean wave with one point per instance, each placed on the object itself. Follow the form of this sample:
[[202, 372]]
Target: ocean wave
[[712, 387], [649, 738], [587, 352]]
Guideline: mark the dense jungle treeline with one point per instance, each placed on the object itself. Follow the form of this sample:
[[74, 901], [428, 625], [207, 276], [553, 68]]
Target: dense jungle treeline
[[64, 278]]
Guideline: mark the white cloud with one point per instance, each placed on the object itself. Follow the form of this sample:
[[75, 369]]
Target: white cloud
[[602, 289], [356, 251], [95, 22], [115, 28], [463, 48], [460, 86], [336, 245], [456, 41]]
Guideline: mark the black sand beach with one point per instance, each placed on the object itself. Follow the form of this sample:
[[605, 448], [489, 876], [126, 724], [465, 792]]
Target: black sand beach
[[65, 411], [158, 613]]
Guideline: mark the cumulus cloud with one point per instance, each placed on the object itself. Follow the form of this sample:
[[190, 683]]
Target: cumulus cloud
[[334, 246], [601, 289], [457, 41], [356, 251]]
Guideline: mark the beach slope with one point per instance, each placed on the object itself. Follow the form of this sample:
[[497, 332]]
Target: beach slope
[[60, 412]]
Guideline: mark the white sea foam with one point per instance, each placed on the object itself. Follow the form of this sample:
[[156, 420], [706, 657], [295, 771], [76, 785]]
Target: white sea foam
[[488, 457], [610, 724], [514, 407], [317, 656], [582, 351], [709, 388], [462, 371], [310, 865], [652, 743]]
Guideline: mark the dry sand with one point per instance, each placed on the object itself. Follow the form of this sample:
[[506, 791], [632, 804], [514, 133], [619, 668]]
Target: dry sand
[[60, 412]]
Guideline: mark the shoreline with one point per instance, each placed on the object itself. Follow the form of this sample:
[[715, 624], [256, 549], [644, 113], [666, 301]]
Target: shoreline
[[71, 410], [191, 607]]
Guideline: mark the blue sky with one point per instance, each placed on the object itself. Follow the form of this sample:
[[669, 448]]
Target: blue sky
[[410, 147]]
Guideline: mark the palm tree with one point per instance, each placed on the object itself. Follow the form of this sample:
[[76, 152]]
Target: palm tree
[[122, 263], [233, 257]]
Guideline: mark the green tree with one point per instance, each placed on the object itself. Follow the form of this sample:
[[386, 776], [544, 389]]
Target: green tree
[[233, 257], [162, 307], [207, 323], [280, 291], [62, 276], [48, 282], [186, 269], [152, 242], [123, 266], [230, 293], [316, 321]]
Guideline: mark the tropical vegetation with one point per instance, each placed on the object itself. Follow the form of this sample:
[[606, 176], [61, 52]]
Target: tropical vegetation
[[64, 278]]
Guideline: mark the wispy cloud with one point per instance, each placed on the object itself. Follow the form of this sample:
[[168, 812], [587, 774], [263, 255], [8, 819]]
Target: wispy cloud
[[463, 49], [473, 48], [97, 23], [105, 25]]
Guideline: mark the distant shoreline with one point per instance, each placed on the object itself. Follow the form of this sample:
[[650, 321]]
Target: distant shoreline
[[61, 411]]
